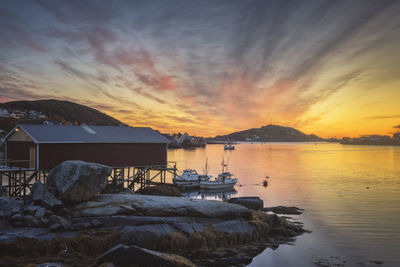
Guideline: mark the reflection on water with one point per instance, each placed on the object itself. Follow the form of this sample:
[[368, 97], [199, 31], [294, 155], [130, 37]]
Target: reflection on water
[[351, 195], [217, 194]]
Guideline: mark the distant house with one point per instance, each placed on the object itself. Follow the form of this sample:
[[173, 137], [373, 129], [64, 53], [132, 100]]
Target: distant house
[[33, 114], [396, 136], [4, 113], [45, 146]]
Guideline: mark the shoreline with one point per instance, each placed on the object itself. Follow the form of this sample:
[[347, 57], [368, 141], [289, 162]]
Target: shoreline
[[85, 232], [71, 219]]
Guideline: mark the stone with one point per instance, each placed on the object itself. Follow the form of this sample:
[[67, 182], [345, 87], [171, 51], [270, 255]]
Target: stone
[[50, 264], [32, 209], [184, 227], [49, 213], [128, 208], [95, 223], [29, 220], [16, 210], [285, 210], [10, 206], [4, 224], [145, 235], [16, 217], [55, 227], [41, 195], [80, 226], [44, 221], [76, 181], [3, 191], [198, 227], [190, 228], [160, 206], [234, 227], [160, 190], [60, 220], [40, 212], [254, 203], [122, 255]]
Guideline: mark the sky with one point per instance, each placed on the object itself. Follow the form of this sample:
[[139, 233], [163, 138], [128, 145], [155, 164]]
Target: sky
[[331, 68]]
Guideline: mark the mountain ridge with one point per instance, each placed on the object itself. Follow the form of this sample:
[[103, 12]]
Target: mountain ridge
[[270, 133], [56, 110]]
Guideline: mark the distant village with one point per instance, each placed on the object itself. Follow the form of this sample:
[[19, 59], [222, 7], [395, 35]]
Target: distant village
[[26, 114], [185, 141], [372, 140], [35, 115], [30, 115]]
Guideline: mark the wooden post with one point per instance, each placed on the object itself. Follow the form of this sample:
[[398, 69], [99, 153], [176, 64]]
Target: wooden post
[[9, 184], [175, 171], [24, 184]]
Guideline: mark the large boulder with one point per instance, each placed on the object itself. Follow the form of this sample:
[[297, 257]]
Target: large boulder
[[254, 203], [159, 206], [41, 195], [122, 255], [75, 181]]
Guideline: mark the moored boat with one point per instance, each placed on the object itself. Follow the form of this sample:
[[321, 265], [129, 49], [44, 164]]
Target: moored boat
[[229, 147], [190, 178], [224, 180]]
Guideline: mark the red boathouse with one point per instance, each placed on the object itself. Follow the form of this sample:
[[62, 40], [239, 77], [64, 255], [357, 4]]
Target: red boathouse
[[42, 147]]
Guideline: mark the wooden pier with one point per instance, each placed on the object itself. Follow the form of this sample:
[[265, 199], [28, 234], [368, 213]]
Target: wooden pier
[[17, 182]]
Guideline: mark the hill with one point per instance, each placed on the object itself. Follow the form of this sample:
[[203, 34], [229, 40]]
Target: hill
[[270, 133], [55, 110]]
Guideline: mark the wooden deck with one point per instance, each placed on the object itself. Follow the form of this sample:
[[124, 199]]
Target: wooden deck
[[17, 182]]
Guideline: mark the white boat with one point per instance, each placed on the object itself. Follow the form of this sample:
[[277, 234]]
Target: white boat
[[229, 147], [190, 178], [224, 180]]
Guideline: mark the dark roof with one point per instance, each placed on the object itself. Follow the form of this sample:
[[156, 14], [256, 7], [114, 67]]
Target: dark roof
[[91, 134]]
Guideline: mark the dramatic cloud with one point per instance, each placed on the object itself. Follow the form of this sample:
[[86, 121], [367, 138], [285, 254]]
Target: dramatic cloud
[[210, 67]]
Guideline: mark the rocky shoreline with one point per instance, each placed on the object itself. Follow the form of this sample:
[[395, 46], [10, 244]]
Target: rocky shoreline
[[90, 229]]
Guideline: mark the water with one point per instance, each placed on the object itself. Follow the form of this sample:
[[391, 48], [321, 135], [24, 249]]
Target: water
[[351, 195]]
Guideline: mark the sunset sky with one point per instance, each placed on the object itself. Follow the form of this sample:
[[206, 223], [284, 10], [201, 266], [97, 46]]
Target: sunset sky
[[331, 68]]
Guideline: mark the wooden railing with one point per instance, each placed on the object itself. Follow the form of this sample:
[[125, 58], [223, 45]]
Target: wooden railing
[[15, 164]]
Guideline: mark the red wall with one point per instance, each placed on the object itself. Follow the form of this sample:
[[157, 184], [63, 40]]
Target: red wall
[[19, 150], [114, 155]]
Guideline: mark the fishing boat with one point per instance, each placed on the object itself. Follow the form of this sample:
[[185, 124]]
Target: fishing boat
[[224, 180], [191, 179], [229, 147]]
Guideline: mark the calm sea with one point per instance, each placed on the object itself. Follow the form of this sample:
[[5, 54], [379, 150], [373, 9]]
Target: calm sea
[[351, 197]]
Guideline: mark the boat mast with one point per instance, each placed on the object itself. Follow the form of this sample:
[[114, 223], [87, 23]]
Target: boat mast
[[206, 166]]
